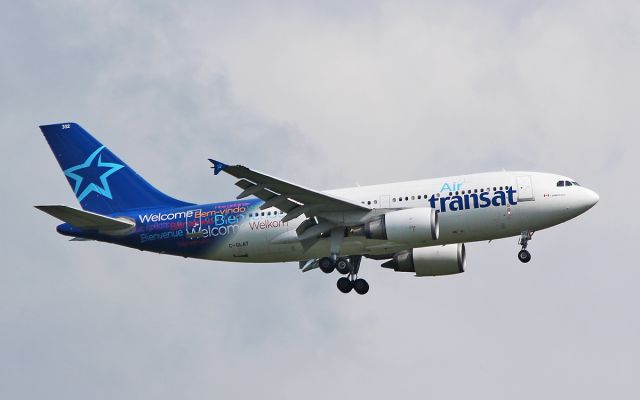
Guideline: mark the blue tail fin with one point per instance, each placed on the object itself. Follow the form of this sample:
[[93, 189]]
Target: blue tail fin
[[100, 180]]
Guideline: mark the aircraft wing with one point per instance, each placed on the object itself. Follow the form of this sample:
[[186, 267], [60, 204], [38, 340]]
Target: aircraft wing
[[288, 197]]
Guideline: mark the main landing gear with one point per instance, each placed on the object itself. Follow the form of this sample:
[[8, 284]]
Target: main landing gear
[[348, 266], [358, 284], [326, 265], [524, 255]]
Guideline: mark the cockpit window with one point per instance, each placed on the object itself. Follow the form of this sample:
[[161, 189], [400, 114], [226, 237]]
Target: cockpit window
[[575, 183], [567, 183], [560, 184]]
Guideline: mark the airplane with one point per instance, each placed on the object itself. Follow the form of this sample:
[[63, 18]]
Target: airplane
[[417, 226]]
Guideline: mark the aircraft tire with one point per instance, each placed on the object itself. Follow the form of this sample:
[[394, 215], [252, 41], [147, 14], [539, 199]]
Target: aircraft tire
[[343, 266], [344, 285], [524, 256], [326, 265], [361, 286]]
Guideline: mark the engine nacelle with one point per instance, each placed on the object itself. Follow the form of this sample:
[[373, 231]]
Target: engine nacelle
[[411, 225], [430, 261]]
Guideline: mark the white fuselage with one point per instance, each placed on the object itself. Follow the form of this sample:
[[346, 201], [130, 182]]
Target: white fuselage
[[539, 203]]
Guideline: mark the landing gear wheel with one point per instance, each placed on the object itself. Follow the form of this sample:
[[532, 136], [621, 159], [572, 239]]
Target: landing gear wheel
[[343, 266], [326, 265], [361, 286], [344, 285], [524, 256]]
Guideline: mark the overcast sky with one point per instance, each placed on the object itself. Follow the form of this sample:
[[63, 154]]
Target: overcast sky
[[328, 94]]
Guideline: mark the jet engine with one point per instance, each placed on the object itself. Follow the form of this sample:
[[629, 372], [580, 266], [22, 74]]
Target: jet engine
[[430, 261], [411, 225]]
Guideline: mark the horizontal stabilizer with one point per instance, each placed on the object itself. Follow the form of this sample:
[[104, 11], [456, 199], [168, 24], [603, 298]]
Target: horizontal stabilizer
[[86, 219]]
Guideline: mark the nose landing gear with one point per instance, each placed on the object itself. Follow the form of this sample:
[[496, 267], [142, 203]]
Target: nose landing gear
[[524, 255]]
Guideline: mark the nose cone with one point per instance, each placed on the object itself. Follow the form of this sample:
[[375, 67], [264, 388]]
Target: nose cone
[[588, 199], [593, 198]]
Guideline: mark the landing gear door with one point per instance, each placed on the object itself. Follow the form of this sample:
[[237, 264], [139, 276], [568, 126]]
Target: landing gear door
[[525, 189]]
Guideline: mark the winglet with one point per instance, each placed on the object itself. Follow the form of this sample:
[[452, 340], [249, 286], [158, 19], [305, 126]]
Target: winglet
[[217, 166]]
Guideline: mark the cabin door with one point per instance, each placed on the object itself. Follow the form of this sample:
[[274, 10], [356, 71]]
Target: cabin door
[[525, 189]]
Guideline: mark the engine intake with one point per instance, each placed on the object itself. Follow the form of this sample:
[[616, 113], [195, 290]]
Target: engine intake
[[430, 261], [411, 225]]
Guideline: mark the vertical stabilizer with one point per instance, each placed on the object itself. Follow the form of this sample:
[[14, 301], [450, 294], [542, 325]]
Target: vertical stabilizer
[[100, 180]]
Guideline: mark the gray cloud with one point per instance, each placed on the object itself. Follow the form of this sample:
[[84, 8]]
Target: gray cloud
[[327, 95]]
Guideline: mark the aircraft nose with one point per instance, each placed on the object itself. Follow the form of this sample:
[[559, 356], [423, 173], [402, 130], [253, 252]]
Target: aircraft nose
[[589, 199]]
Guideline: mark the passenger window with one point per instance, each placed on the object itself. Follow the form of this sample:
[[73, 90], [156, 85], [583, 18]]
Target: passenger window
[[399, 198], [413, 197], [560, 184], [394, 200], [369, 202], [419, 197]]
